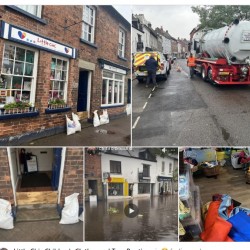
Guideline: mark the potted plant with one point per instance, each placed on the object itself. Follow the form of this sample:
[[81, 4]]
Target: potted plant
[[17, 107]]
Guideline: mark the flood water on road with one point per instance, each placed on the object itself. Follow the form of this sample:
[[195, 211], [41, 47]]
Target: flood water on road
[[157, 220]]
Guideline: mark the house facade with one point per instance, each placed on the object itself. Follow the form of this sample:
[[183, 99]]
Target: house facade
[[53, 65], [135, 173]]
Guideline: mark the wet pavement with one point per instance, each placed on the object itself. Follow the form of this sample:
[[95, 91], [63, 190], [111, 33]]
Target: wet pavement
[[157, 220], [184, 111], [43, 231], [115, 133]]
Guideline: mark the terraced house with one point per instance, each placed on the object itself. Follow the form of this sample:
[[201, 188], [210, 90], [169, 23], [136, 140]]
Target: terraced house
[[54, 64]]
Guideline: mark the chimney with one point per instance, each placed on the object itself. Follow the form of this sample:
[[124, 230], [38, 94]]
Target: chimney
[[161, 28], [149, 25]]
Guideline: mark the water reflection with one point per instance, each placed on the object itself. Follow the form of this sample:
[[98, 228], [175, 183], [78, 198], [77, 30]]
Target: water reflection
[[157, 220]]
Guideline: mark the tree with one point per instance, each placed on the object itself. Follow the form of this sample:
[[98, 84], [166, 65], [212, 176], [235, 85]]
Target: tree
[[217, 16]]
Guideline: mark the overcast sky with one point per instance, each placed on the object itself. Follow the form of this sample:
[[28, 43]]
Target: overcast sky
[[179, 20], [125, 11]]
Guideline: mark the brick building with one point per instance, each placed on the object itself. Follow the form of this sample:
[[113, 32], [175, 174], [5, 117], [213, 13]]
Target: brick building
[[63, 166], [75, 62], [93, 175]]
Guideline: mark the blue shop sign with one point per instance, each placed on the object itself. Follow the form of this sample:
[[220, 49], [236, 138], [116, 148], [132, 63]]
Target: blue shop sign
[[29, 38]]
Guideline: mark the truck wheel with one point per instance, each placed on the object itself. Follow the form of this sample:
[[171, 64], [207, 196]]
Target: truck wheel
[[204, 74], [210, 76]]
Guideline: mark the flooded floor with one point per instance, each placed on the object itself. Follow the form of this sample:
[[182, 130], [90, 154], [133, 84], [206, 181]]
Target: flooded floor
[[157, 220]]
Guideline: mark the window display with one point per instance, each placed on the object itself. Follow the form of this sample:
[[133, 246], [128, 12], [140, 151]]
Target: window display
[[58, 79], [17, 74]]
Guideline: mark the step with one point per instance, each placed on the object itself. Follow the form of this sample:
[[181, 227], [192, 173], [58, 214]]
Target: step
[[28, 214], [42, 197]]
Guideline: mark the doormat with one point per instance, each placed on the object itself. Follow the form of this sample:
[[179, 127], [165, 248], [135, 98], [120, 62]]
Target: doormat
[[35, 180]]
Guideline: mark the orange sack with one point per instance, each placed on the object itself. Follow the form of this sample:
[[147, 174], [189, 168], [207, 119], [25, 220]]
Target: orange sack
[[215, 228]]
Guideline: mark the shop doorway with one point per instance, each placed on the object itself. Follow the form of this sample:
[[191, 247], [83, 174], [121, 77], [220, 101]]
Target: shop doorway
[[83, 100], [92, 185], [36, 174]]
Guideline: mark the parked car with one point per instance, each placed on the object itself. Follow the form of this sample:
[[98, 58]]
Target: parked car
[[140, 70]]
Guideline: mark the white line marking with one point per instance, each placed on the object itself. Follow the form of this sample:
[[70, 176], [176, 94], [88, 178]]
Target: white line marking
[[153, 89], [137, 120], [149, 96], [145, 105]]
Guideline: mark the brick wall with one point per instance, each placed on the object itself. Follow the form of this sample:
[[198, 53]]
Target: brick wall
[[73, 174], [93, 172], [93, 165], [54, 29], [106, 38], [5, 181]]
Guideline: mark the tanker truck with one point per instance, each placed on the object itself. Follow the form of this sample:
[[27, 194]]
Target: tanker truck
[[223, 55]]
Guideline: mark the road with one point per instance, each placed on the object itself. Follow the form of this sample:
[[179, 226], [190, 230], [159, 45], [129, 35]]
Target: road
[[190, 112], [157, 220]]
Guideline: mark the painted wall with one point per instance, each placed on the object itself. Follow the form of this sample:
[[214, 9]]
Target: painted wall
[[44, 157]]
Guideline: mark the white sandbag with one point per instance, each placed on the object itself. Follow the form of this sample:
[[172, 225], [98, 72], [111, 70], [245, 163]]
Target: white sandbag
[[6, 219], [96, 121], [104, 118], [71, 127], [81, 218], [76, 119], [70, 211], [128, 109]]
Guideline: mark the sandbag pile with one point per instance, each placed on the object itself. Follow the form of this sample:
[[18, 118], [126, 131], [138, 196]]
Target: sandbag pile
[[103, 119], [6, 219]]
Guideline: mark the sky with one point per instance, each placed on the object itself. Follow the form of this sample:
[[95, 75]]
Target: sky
[[179, 20], [125, 11]]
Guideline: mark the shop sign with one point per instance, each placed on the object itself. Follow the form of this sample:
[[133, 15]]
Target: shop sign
[[163, 178], [117, 180], [114, 69], [31, 39]]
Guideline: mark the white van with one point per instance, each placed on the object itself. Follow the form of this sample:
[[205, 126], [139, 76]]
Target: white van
[[140, 70]]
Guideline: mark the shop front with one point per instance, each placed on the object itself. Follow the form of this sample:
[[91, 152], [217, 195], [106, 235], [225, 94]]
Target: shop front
[[35, 84], [117, 188]]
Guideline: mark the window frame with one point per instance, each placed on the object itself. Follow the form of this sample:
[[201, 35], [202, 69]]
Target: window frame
[[123, 38], [163, 167], [34, 76], [38, 10], [146, 168], [66, 80], [87, 24], [170, 168], [118, 168], [121, 89]]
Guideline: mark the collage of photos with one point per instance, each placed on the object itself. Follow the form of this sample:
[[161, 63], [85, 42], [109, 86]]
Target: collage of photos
[[124, 123]]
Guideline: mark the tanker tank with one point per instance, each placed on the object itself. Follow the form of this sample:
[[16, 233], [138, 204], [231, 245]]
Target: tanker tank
[[231, 42]]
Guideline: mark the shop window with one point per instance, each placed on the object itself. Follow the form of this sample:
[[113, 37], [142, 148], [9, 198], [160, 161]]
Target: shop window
[[143, 188], [121, 45], [146, 170], [112, 88], [35, 10], [115, 167], [115, 189], [88, 27], [18, 74], [58, 80]]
